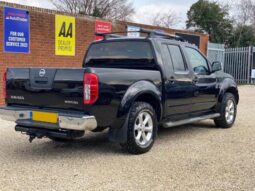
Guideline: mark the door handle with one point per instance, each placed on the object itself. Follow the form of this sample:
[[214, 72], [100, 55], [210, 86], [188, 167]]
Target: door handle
[[195, 80], [171, 80]]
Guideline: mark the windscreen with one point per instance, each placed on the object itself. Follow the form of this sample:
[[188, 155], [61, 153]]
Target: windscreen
[[121, 54]]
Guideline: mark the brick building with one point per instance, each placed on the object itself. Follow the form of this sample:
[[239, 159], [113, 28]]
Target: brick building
[[42, 40]]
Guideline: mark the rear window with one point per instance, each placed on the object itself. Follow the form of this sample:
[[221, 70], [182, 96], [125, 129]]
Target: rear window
[[120, 54]]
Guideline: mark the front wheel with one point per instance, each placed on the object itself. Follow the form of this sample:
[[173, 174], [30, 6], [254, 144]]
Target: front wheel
[[142, 128], [228, 110]]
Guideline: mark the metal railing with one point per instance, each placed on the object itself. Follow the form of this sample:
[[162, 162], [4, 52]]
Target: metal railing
[[239, 62]]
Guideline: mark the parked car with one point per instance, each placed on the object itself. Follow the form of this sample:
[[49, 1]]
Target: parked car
[[130, 86]]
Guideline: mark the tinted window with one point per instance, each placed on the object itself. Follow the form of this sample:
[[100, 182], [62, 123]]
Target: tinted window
[[177, 59], [120, 54], [167, 58], [198, 62]]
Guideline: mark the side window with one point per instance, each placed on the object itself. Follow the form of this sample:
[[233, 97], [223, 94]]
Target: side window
[[197, 61], [167, 59], [177, 58]]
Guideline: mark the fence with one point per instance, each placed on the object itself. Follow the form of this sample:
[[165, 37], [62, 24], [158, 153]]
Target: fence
[[253, 65], [239, 62], [216, 52]]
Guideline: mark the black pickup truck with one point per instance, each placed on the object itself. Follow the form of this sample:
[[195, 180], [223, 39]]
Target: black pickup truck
[[130, 86]]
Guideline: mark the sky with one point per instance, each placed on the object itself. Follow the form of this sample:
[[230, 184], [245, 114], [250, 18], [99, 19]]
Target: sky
[[145, 9]]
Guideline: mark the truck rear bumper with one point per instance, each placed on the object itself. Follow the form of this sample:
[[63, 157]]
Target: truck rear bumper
[[64, 120]]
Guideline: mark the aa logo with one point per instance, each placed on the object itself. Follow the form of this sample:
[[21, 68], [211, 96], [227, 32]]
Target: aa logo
[[66, 32], [65, 35]]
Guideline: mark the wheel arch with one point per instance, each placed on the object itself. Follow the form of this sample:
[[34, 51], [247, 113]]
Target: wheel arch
[[153, 101], [229, 86], [234, 91], [145, 91]]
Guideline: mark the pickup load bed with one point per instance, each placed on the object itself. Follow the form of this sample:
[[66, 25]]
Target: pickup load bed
[[128, 85]]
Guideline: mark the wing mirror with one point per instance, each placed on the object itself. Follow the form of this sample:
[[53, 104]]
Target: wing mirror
[[216, 66]]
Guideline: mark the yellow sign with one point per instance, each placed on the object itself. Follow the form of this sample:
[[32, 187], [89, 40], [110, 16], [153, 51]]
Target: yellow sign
[[65, 35]]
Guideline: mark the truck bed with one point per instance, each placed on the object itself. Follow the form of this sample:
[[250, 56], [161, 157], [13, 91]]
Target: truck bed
[[62, 89]]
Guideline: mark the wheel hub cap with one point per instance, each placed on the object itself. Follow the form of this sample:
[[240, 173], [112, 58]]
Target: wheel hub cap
[[143, 128], [230, 111]]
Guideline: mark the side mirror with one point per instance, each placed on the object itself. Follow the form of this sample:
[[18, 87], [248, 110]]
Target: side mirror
[[216, 66]]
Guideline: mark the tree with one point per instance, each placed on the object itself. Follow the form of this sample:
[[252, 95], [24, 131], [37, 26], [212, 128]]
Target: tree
[[167, 20], [244, 23], [210, 17], [107, 9], [242, 36], [244, 10]]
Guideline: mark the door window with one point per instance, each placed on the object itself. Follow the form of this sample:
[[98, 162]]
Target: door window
[[197, 61], [177, 58], [167, 59]]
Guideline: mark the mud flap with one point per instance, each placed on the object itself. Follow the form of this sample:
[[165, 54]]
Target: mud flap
[[119, 135]]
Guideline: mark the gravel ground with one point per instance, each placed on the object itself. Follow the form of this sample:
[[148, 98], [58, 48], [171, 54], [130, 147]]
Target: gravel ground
[[193, 157]]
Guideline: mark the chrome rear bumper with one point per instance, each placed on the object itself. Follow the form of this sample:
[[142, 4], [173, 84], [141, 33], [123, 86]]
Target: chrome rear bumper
[[65, 121]]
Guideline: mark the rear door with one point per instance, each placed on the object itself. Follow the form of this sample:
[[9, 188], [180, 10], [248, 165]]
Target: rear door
[[178, 84], [204, 82]]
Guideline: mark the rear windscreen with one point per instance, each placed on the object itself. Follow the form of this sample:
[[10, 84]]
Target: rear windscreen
[[120, 54]]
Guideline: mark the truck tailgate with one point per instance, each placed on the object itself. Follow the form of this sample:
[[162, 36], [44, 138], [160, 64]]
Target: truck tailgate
[[45, 88]]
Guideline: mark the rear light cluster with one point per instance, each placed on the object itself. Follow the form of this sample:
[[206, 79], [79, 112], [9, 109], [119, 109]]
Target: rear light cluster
[[4, 85], [90, 88]]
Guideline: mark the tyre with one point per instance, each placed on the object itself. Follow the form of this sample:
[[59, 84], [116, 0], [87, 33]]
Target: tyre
[[227, 110], [142, 128]]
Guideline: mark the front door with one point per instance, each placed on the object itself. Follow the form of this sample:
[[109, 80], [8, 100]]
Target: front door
[[205, 82]]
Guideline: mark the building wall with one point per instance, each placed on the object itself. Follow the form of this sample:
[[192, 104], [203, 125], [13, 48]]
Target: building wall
[[42, 41]]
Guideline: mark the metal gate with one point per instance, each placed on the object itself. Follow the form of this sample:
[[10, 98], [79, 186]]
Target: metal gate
[[239, 62], [216, 52], [253, 65]]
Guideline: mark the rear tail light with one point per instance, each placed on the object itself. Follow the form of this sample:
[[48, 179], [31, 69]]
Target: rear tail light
[[4, 84], [90, 88]]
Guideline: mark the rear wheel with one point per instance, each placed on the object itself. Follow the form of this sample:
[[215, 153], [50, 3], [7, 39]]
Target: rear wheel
[[142, 128], [228, 110]]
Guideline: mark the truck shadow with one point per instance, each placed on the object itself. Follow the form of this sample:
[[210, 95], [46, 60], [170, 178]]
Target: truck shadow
[[96, 144]]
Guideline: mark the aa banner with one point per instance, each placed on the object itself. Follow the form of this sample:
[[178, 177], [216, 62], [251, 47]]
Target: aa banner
[[65, 35]]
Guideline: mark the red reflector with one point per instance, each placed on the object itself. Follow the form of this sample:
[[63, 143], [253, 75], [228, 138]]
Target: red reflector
[[4, 85], [90, 88]]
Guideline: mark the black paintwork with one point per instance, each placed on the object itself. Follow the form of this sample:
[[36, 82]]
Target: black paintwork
[[178, 95]]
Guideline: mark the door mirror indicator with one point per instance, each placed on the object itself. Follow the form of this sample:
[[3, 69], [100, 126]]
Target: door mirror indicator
[[216, 66]]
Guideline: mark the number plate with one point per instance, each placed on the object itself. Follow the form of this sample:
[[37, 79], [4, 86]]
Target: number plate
[[45, 117]]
